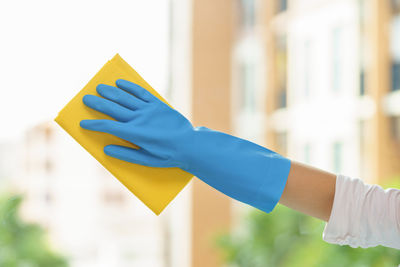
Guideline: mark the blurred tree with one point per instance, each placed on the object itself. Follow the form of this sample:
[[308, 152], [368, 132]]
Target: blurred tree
[[288, 238], [23, 244]]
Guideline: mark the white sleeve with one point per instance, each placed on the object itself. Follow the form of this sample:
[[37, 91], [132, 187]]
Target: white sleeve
[[363, 215]]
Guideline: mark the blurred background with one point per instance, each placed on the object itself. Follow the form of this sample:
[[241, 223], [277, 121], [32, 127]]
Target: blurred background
[[315, 80]]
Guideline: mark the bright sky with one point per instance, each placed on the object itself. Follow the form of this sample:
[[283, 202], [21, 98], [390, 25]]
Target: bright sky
[[50, 49]]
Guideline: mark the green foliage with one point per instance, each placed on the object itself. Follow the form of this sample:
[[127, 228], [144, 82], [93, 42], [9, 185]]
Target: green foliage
[[392, 182], [23, 244], [288, 238]]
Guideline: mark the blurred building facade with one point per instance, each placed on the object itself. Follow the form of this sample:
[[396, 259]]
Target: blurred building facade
[[318, 81], [89, 215], [313, 81]]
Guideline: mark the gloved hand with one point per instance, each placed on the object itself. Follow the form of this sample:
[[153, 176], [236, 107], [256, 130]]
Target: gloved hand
[[238, 168]]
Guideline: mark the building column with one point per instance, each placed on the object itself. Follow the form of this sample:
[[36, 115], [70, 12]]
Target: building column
[[378, 84], [211, 107]]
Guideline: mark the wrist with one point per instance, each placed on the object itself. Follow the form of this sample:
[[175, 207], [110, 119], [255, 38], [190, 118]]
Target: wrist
[[189, 148]]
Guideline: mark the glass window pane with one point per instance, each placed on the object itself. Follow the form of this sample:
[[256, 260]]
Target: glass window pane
[[395, 127], [395, 52], [248, 86], [307, 67], [336, 59], [281, 5], [281, 69], [337, 157], [281, 142], [247, 13], [307, 153]]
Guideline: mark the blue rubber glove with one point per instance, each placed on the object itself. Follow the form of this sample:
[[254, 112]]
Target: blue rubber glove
[[238, 168]]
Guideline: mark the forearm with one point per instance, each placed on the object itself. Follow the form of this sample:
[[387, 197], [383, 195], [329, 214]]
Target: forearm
[[309, 190]]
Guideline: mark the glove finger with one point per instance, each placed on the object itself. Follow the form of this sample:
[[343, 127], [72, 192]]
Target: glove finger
[[135, 89], [105, 126], [119, 96], [108, 107], [138, 156]]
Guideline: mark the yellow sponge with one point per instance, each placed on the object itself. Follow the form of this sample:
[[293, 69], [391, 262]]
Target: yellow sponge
[[155, 187]]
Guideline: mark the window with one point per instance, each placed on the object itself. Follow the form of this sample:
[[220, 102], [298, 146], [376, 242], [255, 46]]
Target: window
[[395, 127], [395, 6], [336, 59], [307, 153], [281, 6], [362, 143], [362, 82], [282, 99], [363, 19], [395, 76], [307, 67], [337, 157], [395, 52], [281, 70], [281, 142], [246, 13], [248, 86], [113, 197], [48, 197]]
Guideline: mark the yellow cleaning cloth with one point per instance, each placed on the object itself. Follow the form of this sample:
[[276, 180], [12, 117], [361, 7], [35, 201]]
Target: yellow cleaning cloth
[[155, 187]]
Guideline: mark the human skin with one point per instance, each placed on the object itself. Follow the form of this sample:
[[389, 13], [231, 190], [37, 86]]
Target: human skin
[[309, 190]]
